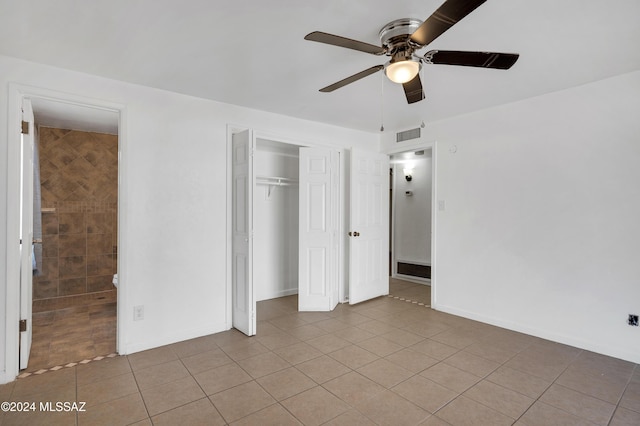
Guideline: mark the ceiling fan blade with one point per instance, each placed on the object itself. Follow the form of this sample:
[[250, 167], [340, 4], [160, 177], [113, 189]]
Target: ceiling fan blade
[[413, 90], [344, 42], [349, 80], [501, 61], [447, 15]]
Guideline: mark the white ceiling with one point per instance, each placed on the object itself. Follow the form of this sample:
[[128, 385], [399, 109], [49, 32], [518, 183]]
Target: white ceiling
[[252, 52]]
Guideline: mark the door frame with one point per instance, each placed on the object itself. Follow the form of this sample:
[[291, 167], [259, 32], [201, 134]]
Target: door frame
[[16, 92], [433, 146], [233, 128]]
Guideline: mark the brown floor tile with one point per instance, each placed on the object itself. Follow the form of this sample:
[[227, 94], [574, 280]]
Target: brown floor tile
[[151, 357], [273, 415], [541, 414], [125, 410], [200, 412], [388, 408], [160, 374], [506, 401], [411, 360], [353, 356], [471, 363], [108, 389], [322, 369], [385, 373], [171, 395], [206, 361], [286, 383], [300, 352], [425, 393], [518, 381], [450, 377], [578, 404], [631, 397], [241, 401], [624, 417], [351, 418], [263, 364], [353, 388], [315, 406], [463, 411], [222, 378]]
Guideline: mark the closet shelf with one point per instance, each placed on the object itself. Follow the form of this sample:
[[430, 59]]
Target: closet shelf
[[273, 181]]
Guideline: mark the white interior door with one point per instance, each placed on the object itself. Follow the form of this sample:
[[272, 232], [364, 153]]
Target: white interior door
[[26, 233], [318, 224], [368, 226], [244, 304]]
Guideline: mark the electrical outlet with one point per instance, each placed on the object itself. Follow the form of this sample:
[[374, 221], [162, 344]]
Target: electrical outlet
[[633, 319], [138, 312]]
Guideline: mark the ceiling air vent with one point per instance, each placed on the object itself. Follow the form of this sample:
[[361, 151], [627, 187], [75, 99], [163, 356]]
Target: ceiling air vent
[[408, 135]]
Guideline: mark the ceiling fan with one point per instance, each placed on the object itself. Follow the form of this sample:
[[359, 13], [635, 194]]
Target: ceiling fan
[[403, 37]]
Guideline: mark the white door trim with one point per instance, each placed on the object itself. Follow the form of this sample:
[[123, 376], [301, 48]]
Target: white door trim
[[16, 92]]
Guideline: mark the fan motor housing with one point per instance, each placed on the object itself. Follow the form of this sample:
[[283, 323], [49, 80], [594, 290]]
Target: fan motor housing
[[396, 34]]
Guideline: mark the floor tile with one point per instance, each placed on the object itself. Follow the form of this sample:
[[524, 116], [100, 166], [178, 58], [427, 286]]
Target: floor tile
[[151, 357], [624, 417], [171, 395], [263, 364], [425, 393], [351, 418], [388, 408], [380, 346], [471, 363], [199, 412], [205, 361], [353, 356], [541, 414], [463, 411], [353, 388], [411, 360], [273, 415], [506, 401], [328, 343], [450, 377], [385, 373], [315, 406], [298, 353], [107, 389], [286, 383], [222, 378], [125, 410], [631, 397], [323, 369], [518, 381], [578, 404], [160, 374], [241, 401], [434, 349]]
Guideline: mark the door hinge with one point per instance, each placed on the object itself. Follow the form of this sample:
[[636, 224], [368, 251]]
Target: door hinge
[[23, 325], [25, 127]]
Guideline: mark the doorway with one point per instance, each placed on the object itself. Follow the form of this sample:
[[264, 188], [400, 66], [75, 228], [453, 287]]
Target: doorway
[[411, 217], [68, 233]]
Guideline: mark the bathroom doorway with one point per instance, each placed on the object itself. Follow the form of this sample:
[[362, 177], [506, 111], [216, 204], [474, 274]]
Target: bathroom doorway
[[74, 306]]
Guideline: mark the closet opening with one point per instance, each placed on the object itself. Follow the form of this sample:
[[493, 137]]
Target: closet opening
[[275, 220]]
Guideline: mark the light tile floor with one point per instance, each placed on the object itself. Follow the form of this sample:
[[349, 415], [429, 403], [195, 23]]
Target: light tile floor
[[383, 362]]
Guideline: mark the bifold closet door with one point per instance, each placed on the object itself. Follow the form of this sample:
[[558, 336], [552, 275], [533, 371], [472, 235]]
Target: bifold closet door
[[243, 299], [318, 225]]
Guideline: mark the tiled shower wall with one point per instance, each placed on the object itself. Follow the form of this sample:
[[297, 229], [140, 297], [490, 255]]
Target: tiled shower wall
[[79, 184]]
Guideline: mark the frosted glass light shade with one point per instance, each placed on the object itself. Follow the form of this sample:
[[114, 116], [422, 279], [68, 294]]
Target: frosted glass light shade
[[402, 71]]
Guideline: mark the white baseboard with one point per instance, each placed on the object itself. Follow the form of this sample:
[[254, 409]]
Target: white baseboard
[[139, 346], [543, 334]]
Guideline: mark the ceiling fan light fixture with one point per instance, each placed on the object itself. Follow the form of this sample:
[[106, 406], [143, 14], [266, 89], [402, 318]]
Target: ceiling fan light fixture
[[402, 71]]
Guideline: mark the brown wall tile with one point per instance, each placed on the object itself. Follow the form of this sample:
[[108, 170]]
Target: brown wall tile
[[100, 265], [72, 245], [50, 245], [71, 223], [99, 244], [49, 223], [73, 267], [99, 283], [44, 289]]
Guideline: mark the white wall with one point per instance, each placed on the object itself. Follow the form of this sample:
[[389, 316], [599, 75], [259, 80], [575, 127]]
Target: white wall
[[541, 229], [173, 236], [412, 214], [275, 221]]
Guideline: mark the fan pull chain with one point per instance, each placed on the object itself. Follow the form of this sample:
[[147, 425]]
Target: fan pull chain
[[382, 103]]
